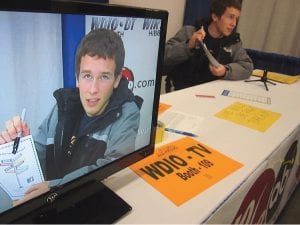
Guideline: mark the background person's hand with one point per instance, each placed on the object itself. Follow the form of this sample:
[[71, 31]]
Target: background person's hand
[[218, 71], [13, 126], [199, 35]]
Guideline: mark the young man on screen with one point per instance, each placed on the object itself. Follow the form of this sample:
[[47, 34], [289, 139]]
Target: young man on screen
[[185, 61], [90, 125]]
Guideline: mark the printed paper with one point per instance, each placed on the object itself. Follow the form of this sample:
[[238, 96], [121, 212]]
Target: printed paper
[[21, 170]]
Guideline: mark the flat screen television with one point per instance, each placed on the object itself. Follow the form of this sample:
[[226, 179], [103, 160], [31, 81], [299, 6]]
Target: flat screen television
[[39, 41]]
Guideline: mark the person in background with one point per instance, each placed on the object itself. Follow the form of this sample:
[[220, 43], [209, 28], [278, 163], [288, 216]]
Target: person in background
[[185, 61], [92, 124]]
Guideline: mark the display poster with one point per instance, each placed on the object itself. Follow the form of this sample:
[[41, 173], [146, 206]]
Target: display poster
[[184, 168], [249, 116]]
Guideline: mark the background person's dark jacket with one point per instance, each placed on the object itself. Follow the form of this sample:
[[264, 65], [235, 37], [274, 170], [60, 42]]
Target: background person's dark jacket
[[188, 67]]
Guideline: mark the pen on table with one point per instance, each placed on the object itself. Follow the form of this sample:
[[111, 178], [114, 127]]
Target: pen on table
[[205, 96], [180, 132], [17, 139]]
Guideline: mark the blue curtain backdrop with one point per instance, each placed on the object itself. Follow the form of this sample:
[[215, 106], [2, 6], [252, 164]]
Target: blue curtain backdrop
[[73, 29], [195, 9]]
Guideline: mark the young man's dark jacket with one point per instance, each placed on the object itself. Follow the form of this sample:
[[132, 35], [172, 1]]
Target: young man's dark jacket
[[188, 67]]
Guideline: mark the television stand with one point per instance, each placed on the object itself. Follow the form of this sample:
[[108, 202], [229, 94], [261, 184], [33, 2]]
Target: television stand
[[91, 203]]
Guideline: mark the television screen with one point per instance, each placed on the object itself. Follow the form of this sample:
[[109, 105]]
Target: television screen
[[79, 100]]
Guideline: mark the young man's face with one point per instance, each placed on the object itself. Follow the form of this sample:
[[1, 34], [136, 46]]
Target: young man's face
[[96, 82], [227, 22]]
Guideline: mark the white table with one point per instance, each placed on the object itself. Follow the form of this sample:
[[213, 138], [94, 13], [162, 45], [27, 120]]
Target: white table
[[238, 197]]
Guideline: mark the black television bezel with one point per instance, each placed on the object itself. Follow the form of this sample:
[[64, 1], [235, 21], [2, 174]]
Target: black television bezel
[[92, 8]]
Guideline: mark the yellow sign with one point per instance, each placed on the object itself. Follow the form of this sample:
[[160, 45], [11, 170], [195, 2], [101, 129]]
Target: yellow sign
[[283, 78], [184, 168], [249, 116]]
